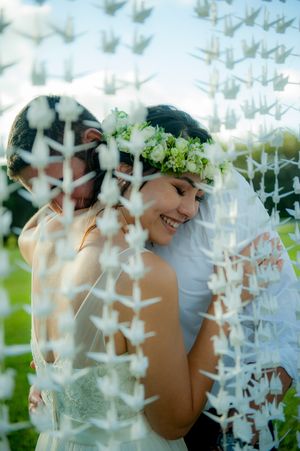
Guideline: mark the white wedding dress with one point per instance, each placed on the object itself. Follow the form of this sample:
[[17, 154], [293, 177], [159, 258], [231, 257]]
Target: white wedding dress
[[77, 410]]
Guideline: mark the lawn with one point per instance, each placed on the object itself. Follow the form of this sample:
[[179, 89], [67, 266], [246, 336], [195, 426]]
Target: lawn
[[17, 330]]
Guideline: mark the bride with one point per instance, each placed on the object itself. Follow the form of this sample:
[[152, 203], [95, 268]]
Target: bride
[[172, 376]]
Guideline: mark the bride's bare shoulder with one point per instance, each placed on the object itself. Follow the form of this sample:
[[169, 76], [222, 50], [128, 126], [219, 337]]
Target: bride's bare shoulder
[[158, 275]]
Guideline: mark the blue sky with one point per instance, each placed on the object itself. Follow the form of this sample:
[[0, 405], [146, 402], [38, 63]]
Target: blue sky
[[176, 34]]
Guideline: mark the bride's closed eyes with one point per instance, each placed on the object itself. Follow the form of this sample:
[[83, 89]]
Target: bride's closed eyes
[[181, 191]]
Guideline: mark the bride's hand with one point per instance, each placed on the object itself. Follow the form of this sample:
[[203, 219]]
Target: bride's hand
[[34, 398]]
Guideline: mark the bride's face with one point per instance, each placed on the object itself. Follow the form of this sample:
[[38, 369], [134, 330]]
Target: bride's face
[[81, 195], [175, 200]]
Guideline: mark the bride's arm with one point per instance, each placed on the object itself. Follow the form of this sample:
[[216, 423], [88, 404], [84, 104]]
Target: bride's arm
[[173, 375]]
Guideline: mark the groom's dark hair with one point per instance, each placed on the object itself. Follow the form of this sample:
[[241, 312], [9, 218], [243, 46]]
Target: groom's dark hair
[[22, 136]]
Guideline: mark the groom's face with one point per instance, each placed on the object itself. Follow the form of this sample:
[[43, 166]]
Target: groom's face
[[82, 195]]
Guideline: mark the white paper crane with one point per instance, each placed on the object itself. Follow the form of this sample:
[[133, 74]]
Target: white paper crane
[[250, 16], [67, 33], [202, 9], [140, 13], [109, 43], [3, 22], [250, 50], [37, 37], [139, 43], [110, 7], [211, 52], [38, 73], [5, 66]]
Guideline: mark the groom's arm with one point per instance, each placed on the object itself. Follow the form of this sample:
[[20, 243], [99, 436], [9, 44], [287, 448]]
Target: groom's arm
[[253, 218]]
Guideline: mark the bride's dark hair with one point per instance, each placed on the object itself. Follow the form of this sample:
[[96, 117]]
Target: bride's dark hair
[[176, 122]]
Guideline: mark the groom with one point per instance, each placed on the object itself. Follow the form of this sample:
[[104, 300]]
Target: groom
[[187, 253]]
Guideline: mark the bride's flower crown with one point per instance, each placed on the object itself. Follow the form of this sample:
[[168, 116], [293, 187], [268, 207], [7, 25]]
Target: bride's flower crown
[[170, 155]]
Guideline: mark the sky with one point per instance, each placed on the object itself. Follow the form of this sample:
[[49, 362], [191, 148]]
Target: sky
[[177, 34]]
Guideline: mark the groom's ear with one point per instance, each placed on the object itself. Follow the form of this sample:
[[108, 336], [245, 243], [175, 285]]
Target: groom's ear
[[124, 167], [90, 135]]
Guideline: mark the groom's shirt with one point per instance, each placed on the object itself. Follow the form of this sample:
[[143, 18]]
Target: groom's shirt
[[187, 254]]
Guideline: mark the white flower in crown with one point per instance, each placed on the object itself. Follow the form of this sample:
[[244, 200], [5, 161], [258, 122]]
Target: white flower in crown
[[109, 155], [158, 154], [5, 221], [68, 109], [110, 191], [174, 156], [192, 167], [109, 224], [209, 171], [7, 383], [181, 143], [136, 236], [137, 141], [39, 114]]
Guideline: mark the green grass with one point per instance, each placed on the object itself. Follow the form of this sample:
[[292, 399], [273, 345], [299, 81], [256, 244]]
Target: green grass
[[17, 330], [284, 232]]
